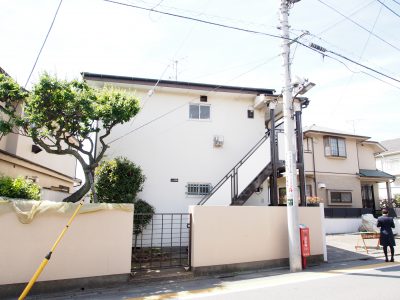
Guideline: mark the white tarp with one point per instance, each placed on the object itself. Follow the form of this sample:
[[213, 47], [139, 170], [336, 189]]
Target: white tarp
[[27, 210], [368, 223]]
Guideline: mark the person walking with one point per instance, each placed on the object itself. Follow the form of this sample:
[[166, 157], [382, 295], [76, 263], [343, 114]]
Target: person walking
[[386, 236]]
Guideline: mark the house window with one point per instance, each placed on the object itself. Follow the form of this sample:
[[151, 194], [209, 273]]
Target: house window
[[199, 111], [335, 146], [307, 144], [340, 197], [198, 189]]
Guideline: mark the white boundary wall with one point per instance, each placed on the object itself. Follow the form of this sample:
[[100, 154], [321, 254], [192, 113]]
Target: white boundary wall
[[97, 243], [342, 225], [244, 234]]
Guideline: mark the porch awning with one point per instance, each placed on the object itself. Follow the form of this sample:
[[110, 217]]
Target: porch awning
[[375, 174]]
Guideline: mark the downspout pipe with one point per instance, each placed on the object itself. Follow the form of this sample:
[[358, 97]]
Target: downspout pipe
[[300, 154], [314, 171], [273, 178]]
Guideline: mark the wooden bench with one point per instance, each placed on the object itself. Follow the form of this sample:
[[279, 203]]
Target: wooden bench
[[367, 236]]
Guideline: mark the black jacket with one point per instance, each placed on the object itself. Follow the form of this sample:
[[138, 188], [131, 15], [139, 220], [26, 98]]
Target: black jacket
[[386, 224]]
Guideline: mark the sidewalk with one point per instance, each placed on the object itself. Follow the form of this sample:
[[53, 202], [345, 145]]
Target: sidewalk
[[341, 247]]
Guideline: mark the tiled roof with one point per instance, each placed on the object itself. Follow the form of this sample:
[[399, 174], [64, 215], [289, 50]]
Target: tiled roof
[[375, 174]]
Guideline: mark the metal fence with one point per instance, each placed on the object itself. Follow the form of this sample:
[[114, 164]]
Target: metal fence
[[163, 243]]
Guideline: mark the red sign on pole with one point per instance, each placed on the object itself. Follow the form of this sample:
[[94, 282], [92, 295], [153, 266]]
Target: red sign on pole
[[305, 242]]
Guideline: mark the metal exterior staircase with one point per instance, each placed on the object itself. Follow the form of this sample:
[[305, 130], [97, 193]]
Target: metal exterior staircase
[[256, 183], [236, 187]]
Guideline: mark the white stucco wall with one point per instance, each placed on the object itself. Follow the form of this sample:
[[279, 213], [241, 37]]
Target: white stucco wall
[[342, 225], [176, 147], [65, 164]]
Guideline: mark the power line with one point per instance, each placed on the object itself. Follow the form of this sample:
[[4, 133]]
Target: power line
[[352, 14], [44, 43], [387, 7], [359, 25], [195, 19], [396, 2], [340, 98], [186, 103], [352, 53], [197, 13], [255, 32]]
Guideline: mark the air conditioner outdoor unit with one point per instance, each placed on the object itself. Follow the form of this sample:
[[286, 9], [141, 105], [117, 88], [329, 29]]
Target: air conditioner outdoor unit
[[218, 140]]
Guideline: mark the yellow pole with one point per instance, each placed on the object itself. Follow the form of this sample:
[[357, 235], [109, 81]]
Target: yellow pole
[[48, 256]]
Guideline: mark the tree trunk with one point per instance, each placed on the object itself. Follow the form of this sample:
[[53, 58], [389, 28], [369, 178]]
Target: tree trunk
[[79, 194]]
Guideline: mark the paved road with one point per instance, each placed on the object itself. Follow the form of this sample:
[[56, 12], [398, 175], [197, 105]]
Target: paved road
[[347, 280], [353, 283]]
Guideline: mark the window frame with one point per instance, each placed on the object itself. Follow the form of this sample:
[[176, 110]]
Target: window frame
[[328, 145], [308, 145], [198, 186], [341, 202], [199, 105]]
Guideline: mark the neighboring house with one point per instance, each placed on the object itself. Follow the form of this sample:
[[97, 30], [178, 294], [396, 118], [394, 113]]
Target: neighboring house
[[340, 168], [55, 174], [389, 161], [219, 145]]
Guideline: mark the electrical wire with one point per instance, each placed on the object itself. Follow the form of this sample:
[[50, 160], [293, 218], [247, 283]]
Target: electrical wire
[[197, 13], [149, 94], [258, 33], [344, 19], [396, 2], [187, 102], [351, 53], [344, 89], [195, 19], [387, 7], [43, 44], [359, 25]]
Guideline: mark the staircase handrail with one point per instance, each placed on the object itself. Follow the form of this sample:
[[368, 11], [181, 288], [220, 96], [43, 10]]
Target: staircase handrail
[[232, 171]]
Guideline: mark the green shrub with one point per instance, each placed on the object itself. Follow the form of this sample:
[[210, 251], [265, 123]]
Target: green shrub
[[118, 181], [397, 200], [143, 214], [19, 188]]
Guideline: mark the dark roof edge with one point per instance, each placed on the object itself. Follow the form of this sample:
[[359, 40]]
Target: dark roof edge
[[383, 174], [35, 164], [176, 84], [337, 133]]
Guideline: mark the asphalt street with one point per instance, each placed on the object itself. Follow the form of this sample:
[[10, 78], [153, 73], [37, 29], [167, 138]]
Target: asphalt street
[[365, 280]]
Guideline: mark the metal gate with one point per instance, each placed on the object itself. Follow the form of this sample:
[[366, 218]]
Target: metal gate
[[163, 243]]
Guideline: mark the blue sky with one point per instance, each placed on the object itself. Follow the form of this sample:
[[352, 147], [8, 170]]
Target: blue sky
[[101, 37]]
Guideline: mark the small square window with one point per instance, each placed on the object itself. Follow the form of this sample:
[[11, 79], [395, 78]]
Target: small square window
[[199, 111]]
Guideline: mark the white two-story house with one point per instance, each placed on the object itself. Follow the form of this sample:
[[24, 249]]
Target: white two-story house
[[186, 137]]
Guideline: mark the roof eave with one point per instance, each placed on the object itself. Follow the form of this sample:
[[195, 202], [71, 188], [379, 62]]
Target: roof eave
[[175, 84]]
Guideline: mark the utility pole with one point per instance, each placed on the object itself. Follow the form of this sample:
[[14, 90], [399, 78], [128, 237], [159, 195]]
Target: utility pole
[[289, 137]]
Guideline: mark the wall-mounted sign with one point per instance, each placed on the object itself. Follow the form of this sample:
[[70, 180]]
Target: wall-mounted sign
[[174, 180]]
